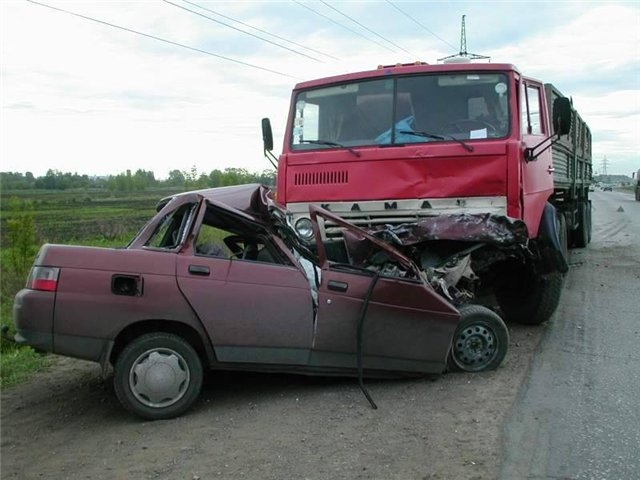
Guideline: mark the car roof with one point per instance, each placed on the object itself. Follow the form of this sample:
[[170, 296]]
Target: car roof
[[253, 199]]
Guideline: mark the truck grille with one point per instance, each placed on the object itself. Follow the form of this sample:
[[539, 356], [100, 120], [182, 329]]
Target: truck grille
[[327, 177]]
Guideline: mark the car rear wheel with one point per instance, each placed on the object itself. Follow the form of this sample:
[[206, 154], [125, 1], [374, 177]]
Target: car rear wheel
[[157, 376], [481, 340]]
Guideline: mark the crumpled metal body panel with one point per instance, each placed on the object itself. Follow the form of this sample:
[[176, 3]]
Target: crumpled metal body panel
[[485, 228]]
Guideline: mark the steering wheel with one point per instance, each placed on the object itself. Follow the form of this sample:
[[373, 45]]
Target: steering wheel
[[470, 123], [235, 244]]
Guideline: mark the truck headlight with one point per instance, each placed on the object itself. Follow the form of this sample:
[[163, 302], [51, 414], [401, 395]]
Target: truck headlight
[[304, 228]]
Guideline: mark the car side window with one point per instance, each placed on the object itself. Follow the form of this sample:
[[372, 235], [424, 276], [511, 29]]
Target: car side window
[[210, 242], [171, 231], [225, 235]]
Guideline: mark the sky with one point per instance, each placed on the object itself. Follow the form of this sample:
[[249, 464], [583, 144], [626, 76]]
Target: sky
[[93, 97]]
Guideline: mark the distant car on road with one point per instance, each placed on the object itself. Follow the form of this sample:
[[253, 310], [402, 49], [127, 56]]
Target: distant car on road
[[607, 188]]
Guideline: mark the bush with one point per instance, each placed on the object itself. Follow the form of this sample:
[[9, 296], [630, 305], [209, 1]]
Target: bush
[[16, 363], [21, 234]]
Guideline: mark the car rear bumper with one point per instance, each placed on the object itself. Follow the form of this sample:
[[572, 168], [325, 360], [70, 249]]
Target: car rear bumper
[[33, 318]]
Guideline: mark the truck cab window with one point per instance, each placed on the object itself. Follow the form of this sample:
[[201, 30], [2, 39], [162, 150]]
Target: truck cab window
[[531, 114]]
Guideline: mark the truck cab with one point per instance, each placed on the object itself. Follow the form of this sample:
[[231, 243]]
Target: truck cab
[[407, 143]]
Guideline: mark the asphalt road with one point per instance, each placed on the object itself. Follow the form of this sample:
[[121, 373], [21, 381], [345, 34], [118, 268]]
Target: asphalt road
[[564, 405], [577, 416]]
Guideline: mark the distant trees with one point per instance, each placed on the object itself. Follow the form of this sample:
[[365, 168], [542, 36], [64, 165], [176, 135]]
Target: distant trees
[[17, 181], [140, 180], [125, 182]]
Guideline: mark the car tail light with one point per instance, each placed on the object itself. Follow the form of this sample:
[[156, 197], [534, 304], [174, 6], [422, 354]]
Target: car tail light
[[43, 278]]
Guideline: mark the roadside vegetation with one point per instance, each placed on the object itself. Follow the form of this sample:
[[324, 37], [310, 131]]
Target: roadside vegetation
[[76, 209]]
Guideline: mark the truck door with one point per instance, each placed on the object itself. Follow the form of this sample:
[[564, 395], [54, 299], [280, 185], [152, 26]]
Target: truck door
[[537, 175]]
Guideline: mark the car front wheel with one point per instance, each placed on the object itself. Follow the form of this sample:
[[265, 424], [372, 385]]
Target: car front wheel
[[158, 376], [481, 340]]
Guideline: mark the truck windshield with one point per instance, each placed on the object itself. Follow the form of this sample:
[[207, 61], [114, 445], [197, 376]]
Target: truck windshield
[[404, 109]]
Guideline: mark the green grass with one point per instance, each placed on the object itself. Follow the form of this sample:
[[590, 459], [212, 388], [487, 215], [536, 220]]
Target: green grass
[[19, 364], [94, 218]]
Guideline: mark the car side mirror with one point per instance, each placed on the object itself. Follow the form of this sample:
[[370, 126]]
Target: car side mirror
[[267, 135], [562, 113]]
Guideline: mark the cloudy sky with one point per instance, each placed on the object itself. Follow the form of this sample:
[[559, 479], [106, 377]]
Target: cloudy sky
[[94, 97]]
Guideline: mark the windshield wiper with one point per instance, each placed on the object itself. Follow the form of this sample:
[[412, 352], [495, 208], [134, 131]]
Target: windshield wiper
[[331, 144], [467, 147]]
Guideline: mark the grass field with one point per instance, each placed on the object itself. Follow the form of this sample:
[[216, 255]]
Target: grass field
[[81, 217]]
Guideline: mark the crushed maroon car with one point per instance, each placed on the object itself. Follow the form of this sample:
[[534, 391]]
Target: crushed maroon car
[[218, 279]]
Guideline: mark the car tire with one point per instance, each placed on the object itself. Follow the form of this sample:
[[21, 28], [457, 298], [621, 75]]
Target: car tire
[[480, 342], [533, 300], [157, 376]]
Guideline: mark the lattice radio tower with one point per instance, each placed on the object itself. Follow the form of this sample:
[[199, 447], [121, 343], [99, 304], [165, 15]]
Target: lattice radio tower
[[463, 54]]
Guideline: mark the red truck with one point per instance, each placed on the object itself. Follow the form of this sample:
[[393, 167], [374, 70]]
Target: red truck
[[445, 160]]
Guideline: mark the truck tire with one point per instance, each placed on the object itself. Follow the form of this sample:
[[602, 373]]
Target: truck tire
[[481, 340], [563, 234], [589, 223], [157, 376], [532, 301], [580, 235]]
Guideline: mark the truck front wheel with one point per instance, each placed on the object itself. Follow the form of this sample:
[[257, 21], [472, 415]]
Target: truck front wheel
[[158, 376], [531, 301]]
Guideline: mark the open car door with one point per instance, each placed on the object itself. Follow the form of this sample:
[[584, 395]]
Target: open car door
[[379, 299]]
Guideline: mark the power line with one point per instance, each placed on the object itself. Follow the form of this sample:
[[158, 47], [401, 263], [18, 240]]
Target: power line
[[261, 31], [240, 62], [343, 26], [366, 28], [242, 31], [418, 23]]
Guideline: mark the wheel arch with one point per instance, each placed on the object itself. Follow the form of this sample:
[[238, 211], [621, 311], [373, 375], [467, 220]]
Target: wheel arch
[[553, 257], [183, 330]]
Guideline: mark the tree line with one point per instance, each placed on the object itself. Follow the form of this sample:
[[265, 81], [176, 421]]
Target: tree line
[[134, 181]]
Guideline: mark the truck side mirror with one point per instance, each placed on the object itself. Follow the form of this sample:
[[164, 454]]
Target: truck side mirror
[[562, 112], [267, 135]]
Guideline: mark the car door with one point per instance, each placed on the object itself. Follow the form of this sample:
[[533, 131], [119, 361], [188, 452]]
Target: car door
[[253, 311], [406, 325]]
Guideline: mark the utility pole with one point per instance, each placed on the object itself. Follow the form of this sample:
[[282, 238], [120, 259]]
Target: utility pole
[[463, 54], [604, 165]]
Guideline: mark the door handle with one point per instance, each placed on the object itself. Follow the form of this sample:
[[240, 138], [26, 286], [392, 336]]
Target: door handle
[[337, 286], [199, 270], [550, 169]]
